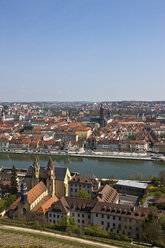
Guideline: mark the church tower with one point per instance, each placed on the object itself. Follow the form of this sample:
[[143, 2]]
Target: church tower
[[3, 115], [50, 182], [35, 172], [102, 121]]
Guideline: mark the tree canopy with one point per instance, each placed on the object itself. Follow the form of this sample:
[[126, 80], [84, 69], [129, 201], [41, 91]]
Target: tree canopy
[[83, 194]]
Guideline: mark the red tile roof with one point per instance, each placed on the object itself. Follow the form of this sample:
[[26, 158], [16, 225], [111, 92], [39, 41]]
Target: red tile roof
[[44, 204], [35, 192]]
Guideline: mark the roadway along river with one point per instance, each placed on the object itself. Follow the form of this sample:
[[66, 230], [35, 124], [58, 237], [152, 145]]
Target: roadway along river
[[124, 169]]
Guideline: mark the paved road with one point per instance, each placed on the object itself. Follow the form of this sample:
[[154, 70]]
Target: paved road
[[58, 236]]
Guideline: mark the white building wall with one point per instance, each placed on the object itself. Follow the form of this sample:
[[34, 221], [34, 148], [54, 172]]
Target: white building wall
[[54, 217], [109, 222], [82, 219], [75, 187]]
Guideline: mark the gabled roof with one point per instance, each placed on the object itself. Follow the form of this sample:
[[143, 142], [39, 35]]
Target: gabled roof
[[32, 195], [107, 194], [44, 204], [84, 180], [60, 206], [35, 192], [65, 204], [125, 210], [60, 173], [81, 204]]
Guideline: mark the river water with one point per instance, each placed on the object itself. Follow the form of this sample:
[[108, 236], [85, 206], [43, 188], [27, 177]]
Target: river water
[[119, 168]]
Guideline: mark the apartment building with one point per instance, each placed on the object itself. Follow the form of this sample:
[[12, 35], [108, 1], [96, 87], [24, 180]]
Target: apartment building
[[77, 183], [116, 218]]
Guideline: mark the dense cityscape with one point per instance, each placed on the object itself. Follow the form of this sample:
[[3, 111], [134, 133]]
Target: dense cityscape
[[114, 128], [82, 124], [125, 209]]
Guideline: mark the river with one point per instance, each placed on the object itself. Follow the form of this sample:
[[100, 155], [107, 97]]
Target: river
[[99, 167]]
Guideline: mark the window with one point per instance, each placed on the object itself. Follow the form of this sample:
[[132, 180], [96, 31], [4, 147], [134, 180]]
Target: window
[[78, 221], [57, 216], [72, 214], [102, 215], [75, 190], [113, 217], [82, 221], [89, 216], [119, 218], [102, 223], [108, 217], [78, 215], [50, 215], [82, 215], [24, 211]]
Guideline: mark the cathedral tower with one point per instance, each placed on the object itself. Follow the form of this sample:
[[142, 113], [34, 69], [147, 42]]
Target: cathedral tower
[[102, 121], [50, 182], [35, 172]]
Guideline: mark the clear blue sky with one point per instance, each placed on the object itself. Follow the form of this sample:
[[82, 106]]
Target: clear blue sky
[[94, 50]]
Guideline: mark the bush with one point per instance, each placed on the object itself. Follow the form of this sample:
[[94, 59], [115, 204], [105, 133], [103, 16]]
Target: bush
[[96, 230], [155, 181], [158, 243], [66, 223]]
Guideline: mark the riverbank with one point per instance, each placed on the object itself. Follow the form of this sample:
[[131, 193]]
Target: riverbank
[[92, 154], [100, 167]]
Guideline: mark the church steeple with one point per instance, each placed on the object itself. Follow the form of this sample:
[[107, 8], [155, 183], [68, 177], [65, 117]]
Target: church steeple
[[35, 172], [102, 121], [50, 164], [50, 178]]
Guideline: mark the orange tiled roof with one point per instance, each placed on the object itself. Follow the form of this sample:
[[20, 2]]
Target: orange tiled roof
[[45, 204], [32, 195], [35, 192]]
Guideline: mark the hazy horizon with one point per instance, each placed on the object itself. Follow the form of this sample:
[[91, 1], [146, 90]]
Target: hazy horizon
[[87, 50]]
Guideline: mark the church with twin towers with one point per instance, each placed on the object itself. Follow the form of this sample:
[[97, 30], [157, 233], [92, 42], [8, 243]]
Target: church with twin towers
[[54, 177]]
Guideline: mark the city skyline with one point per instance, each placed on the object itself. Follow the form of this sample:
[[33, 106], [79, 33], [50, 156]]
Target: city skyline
[[82, 50]]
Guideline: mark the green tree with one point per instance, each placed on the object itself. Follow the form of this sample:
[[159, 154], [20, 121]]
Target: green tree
[[14, 181], [162, 177], [83, 194], [66, 223], [155, 181], [152, 229]]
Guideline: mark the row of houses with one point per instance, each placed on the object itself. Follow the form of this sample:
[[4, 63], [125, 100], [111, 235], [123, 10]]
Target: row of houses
[[119, 145]]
